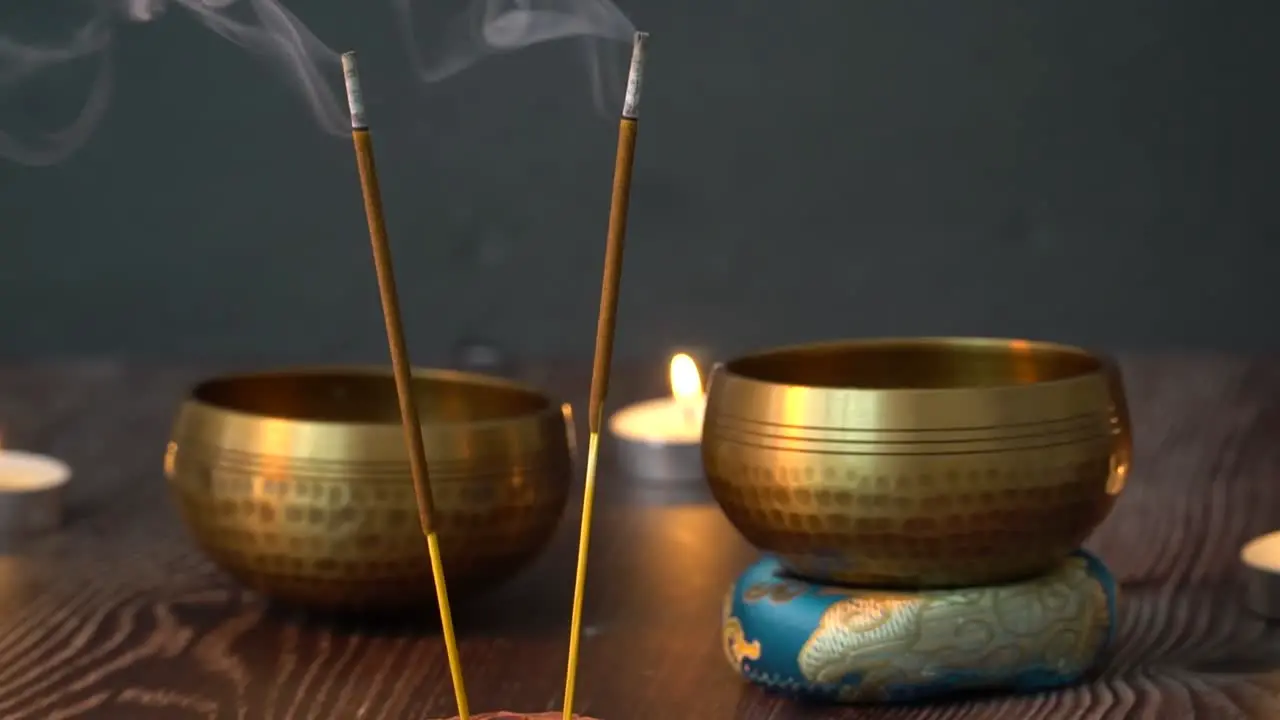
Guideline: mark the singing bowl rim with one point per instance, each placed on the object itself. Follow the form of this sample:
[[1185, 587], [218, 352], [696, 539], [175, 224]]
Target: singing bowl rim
[[547, 404], [1094, 364]]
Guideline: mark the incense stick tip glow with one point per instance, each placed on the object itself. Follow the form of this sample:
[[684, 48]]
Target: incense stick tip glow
[[635, 78], [355, 96]]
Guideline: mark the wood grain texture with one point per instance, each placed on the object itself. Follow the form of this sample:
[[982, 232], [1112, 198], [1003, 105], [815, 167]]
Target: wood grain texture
[[118, 616]]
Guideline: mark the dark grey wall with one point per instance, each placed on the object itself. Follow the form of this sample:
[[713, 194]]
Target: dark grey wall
[[1087, 171]]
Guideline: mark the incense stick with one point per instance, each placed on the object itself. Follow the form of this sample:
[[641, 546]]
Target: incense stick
[[605, 325], [400, 363]]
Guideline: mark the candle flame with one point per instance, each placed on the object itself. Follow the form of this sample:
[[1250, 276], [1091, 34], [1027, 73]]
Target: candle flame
[[686, 382]]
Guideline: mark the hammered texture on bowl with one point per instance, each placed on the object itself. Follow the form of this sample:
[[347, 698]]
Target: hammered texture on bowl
[[319, 510], [968, 480]]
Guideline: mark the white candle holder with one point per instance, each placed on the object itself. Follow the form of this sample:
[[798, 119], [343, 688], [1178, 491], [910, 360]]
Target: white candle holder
[[31, 490], [655, 458]]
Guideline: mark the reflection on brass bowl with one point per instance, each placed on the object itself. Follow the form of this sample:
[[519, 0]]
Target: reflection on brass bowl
[[917, 462], [297, 482]]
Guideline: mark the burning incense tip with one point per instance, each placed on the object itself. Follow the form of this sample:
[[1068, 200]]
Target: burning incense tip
[[355, 98], [635, 79]]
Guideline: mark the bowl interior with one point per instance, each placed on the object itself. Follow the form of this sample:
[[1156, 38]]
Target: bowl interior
[[369, 397], [917, 364]]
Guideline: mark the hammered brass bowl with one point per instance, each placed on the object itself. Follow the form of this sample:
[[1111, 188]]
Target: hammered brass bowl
[[917, 463], [297, 483]]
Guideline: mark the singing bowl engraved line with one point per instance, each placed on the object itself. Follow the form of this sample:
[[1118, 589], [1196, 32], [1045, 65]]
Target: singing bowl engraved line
[[297, 482], [922, 443], [1085, 424], [915, 463]]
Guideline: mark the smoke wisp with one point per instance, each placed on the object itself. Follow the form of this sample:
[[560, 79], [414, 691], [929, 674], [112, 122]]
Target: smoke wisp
[[439, 45], [490, 27]]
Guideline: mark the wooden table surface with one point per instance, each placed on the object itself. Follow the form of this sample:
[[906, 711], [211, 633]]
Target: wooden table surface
[[118, 616]]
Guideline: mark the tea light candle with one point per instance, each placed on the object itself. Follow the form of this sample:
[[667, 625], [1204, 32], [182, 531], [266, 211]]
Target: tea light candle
[[661, 439], [30, 491], [1261, 560]]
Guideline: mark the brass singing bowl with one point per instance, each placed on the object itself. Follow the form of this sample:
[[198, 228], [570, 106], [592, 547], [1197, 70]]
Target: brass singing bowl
[[917, 463], [297, 483]]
